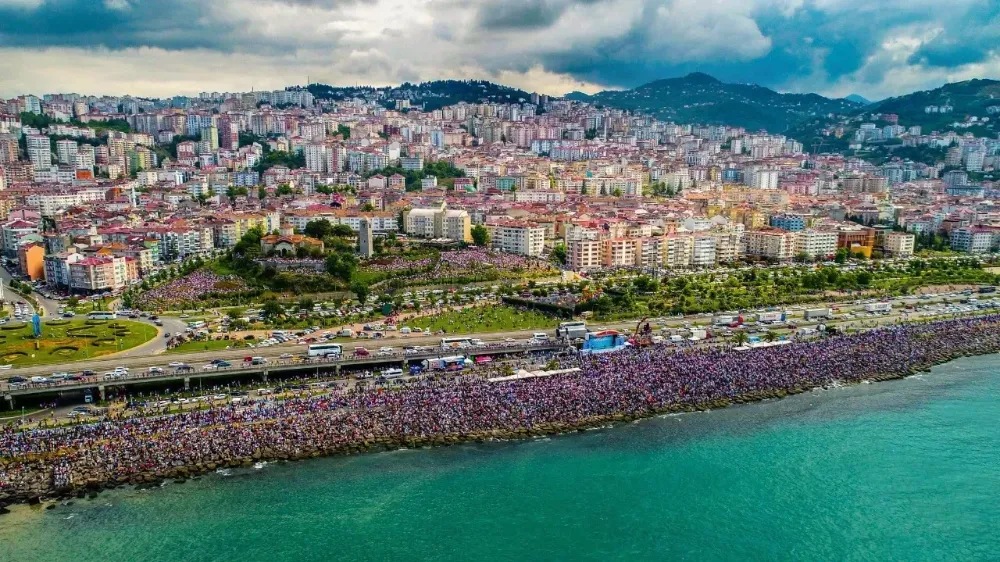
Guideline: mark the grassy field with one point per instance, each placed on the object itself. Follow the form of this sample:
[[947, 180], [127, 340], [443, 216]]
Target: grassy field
[[485, 319], [63, 341], [205, 345]]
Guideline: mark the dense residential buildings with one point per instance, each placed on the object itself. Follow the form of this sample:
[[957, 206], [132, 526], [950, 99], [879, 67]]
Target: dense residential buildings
[[96, 209]]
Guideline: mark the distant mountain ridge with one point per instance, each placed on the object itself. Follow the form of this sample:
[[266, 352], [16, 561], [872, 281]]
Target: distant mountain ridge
[[858, 99], [700, 98]]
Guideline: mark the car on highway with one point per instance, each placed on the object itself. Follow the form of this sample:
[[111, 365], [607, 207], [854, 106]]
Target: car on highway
[[361, 352], [285, 356], [209, 367], [40, 380], [15, 380], [175, 364], [155, 370], [219, 397]]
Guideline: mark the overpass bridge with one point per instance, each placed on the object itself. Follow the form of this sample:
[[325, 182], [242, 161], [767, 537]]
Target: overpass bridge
[[319, 365]]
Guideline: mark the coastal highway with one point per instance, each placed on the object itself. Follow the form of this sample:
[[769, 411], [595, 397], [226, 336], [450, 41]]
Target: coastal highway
[[147, 355]]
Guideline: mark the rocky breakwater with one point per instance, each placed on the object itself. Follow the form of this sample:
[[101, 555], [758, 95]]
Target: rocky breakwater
[[612, 388]]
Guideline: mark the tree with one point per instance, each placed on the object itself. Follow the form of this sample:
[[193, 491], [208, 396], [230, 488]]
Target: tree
[[559, 253], [284, 189], [324, 189], [480, 236], [740, 338], [341, 266], [232, 192], [802, 257], [318, 229], [344, 130], [361, 291], [272, 308], [841, 255], [367, 208], [262, 193], [341, 230], [770, 336]]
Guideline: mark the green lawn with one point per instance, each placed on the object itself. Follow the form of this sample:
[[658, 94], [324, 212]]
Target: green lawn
[[485, 319], [63, 341], [205, 345]]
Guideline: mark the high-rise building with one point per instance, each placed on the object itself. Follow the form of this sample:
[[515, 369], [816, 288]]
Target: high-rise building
[[210, 135], [39, 151], [66, 151], [229, 135], [8, 149], [85, 157]]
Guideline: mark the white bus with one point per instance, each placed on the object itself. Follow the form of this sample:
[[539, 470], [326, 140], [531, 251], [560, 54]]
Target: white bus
[[197, 324], [324, 349], [572, 330], [456, 342], [101, 315], [391, 373]]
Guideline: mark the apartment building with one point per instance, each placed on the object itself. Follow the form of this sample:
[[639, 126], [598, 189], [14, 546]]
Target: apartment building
[[971, 240], [39, 151], [816, 243], [703, 251], [677, 250], [99, 274], [519, 238], [899, 244], [583, 254], [453, 224], [770, 243]]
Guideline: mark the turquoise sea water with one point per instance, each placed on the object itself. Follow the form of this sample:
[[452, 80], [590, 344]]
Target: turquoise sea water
[[904, 470]]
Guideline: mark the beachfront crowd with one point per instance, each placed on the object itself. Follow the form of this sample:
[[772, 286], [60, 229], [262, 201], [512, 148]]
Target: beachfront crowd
[[632, 382]]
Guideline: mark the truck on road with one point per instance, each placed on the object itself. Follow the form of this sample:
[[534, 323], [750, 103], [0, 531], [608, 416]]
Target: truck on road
[[817, 313], [879, 307], [771, 316]]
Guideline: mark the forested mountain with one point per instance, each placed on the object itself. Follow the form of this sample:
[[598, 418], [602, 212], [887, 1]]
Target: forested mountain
[[700, 98]]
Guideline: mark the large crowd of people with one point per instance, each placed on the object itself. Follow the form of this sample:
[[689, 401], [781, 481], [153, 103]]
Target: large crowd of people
[[475, 258], [190, 288], [631, 382]]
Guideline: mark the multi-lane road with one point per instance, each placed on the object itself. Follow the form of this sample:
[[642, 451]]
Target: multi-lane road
[[150, 354]]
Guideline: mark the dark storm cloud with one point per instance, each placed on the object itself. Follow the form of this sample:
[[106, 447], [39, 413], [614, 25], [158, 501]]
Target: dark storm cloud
[[500, 15], [966, 40], [91, 23]]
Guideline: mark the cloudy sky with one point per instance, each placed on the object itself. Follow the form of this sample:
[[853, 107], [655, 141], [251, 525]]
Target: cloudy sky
[[876, 48]]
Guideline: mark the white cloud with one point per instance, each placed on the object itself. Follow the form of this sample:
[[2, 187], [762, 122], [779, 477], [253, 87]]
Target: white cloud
[[273, 43]]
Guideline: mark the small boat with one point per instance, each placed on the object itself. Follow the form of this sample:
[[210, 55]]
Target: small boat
[[5, 367]]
